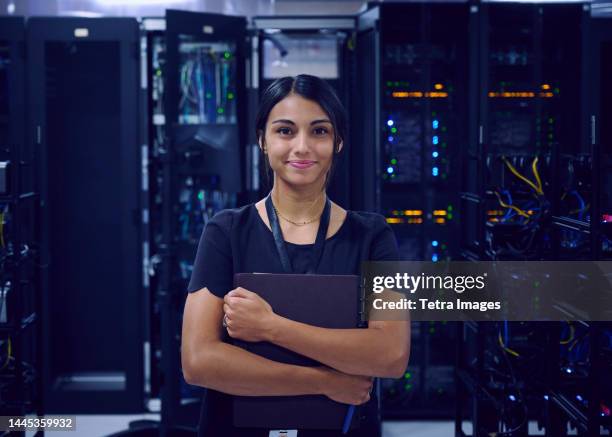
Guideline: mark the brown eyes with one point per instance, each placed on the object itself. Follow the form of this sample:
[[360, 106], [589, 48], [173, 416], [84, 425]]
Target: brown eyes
[[318, 131]]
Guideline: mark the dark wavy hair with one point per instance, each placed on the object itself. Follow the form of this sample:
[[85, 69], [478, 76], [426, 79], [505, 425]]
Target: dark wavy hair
[[311, 88]]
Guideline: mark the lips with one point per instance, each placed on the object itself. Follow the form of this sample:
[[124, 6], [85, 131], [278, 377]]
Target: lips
[[301, 164]]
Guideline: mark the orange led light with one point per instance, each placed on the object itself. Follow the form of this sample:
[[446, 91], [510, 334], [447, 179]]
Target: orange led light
[[394, 220], [436, 94], [440, 220], [439, 212], [415, 221], [438, 86], [419, 94], [413, 212]]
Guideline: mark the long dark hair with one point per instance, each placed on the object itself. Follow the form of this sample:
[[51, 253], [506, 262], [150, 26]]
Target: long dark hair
[[311, 88]]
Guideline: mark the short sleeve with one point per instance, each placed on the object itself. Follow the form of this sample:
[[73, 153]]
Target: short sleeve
[[384, 244], [213, 262]]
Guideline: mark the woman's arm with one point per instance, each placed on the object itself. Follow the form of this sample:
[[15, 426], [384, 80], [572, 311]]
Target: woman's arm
[[209, 362], [381, 350]]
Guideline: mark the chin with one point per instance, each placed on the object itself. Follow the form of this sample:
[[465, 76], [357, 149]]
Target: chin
[[300, 181]]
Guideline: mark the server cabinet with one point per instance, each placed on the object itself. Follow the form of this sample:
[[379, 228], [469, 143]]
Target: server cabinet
[[83, 121], [197, 162], [413, 109], [601, 134], [19, 292]]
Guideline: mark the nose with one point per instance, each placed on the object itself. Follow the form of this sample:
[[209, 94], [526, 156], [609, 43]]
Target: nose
[[302, 145]]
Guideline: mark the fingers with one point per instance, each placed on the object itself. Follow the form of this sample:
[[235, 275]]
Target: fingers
[[239, 292]]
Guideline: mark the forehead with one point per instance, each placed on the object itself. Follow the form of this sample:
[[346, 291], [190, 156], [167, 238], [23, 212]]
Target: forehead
[[297, 109]]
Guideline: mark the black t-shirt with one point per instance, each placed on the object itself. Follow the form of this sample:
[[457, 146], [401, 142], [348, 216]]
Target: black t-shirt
[[238, 241]]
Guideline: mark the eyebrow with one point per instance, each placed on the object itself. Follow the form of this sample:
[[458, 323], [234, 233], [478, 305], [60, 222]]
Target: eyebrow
[[282, 120]]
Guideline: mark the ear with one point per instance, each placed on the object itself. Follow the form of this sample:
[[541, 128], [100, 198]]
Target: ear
[[261, 145], [339, 146]]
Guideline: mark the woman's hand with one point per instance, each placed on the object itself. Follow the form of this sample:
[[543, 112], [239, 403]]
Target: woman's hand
[[345, 388], [248, 317]]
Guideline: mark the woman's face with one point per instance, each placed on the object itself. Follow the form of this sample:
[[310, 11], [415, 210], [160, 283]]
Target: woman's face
[[299, 141]]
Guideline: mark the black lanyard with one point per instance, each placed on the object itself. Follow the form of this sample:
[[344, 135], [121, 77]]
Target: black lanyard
[[281, 246]]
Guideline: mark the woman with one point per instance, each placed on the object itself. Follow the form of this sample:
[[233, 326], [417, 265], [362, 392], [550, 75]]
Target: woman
[[301, 126]]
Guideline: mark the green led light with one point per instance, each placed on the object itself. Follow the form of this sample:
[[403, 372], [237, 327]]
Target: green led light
[[408, 375], [227, 55], [230, 95], [449, 216], [394, 161], [393, 130], [450, 208], [201, 195], [220, 110], [556, 90], [389, 83], [208, 95], [408, 387], [393, 176], [158, 72]]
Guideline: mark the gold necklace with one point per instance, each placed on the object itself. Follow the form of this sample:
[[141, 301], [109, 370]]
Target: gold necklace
[[306, 222]]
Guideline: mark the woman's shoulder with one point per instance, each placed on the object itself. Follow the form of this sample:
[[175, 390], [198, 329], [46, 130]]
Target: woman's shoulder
[[368, 219], [228, 218]]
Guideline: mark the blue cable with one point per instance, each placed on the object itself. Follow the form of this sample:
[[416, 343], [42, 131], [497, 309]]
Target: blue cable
[[348, 419]]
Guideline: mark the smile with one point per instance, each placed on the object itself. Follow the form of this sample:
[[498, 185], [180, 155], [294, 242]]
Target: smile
[[301, 164]]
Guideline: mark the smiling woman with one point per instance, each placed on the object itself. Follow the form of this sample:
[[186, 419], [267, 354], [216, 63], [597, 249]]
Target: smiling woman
[[296, 229]]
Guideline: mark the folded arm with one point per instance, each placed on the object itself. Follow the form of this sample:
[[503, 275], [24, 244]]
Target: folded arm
[[381, 350], [209, 362]]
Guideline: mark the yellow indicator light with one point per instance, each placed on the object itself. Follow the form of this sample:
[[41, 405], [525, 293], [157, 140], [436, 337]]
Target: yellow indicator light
[[394, 220], [415, 221], [519, 94], [494, 219], [436, 94], [439, 212], [405, 94], [545, 86], [438, 86], [413, 212], [495, 212], [440, 220], [419, 94]]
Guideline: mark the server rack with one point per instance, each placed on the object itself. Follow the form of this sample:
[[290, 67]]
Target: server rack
[[416, 98], [534, 103], [193, 80], [83, 121], [321, 46], [19, 293]]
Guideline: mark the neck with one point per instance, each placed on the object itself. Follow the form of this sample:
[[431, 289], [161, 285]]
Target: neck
[[298, 203]]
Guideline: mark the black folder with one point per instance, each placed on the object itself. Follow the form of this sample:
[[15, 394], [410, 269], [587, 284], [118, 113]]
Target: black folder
[[329, 301]]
